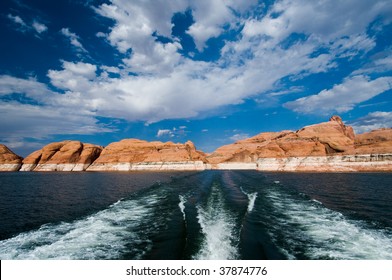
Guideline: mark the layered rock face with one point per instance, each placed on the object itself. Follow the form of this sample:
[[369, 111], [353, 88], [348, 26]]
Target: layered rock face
[[375, 142], [315, 140], [62, 156], [134, 154], [321, 147], [9, 161], [341, 163], [328, 146]]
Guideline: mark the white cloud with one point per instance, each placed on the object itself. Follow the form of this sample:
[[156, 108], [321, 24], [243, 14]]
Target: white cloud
[[164, 132], [325, 20], [31, 87], [168, 85], [74, 39], [75, 76], [380, 63], [135, 25], [343, 97], [239, 136], [35, 26], [174, 132], [51, 113], [372, 121], [211, 16], [26, 120], [18, 20], [39, 27]]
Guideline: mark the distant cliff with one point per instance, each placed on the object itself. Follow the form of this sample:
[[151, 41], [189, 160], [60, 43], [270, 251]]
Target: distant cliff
[[62, 156], [9, 161], [327, 146], [134, 154], [320, 147]]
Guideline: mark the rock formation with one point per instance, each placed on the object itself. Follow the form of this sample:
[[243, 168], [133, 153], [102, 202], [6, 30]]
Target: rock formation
[[9, 161], [62, 156], [134, 154], [326, 146], [315, 140], [375, 142]]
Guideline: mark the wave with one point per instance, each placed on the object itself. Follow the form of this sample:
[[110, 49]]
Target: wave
[[251, 198], [181, 204], [218, 229], [310, 230], [107, 234]]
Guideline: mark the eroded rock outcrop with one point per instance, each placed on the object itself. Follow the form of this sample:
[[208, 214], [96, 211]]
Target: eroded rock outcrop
[[338, 163], [134, 154], [328, 146], [9, 161], [374, 142], [62, 156], [322, 139]]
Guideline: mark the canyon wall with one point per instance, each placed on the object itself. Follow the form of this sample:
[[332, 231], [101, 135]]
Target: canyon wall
[[9, 161], [324, 147], [62, 156], [134, 154]]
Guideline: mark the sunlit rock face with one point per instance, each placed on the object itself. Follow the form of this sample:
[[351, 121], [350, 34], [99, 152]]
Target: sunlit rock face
[[62, 156], [9, 161], [134, 154]]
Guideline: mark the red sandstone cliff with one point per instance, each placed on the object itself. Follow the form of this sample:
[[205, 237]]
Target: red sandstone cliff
[[306, 149], [134, 150], [9, 161], [62, 156], [328, 138]]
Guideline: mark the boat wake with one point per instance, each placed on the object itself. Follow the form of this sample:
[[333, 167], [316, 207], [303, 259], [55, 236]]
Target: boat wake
[[218, 229], [305, 228], [108, 234]]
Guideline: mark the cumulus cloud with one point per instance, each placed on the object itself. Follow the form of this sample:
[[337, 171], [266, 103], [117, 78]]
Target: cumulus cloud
[[166, 85], [74, 76], [74, 39], [46, 112], [211, 16], [38, 122], [326, 20], [372, 121], [343, 97]]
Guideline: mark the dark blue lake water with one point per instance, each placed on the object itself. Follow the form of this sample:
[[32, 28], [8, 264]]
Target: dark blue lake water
[[195, 215]]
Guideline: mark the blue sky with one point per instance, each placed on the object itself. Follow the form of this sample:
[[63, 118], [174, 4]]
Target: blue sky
[[210, 71]]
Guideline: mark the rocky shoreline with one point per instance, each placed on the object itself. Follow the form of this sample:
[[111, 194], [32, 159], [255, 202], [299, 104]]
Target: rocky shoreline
[[326, 147]]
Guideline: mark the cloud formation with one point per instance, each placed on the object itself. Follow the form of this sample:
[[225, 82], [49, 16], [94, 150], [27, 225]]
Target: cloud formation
[[73, 39], [343, 97], [372, 121], [272, 45], [22, 26], [174, 132]]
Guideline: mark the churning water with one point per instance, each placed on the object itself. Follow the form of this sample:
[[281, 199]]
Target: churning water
[[199, 215]]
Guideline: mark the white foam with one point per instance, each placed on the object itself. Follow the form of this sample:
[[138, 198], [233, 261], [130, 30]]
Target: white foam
[[218, 229], [104, 235], [182, 205], [252, 199], [324, 233]]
